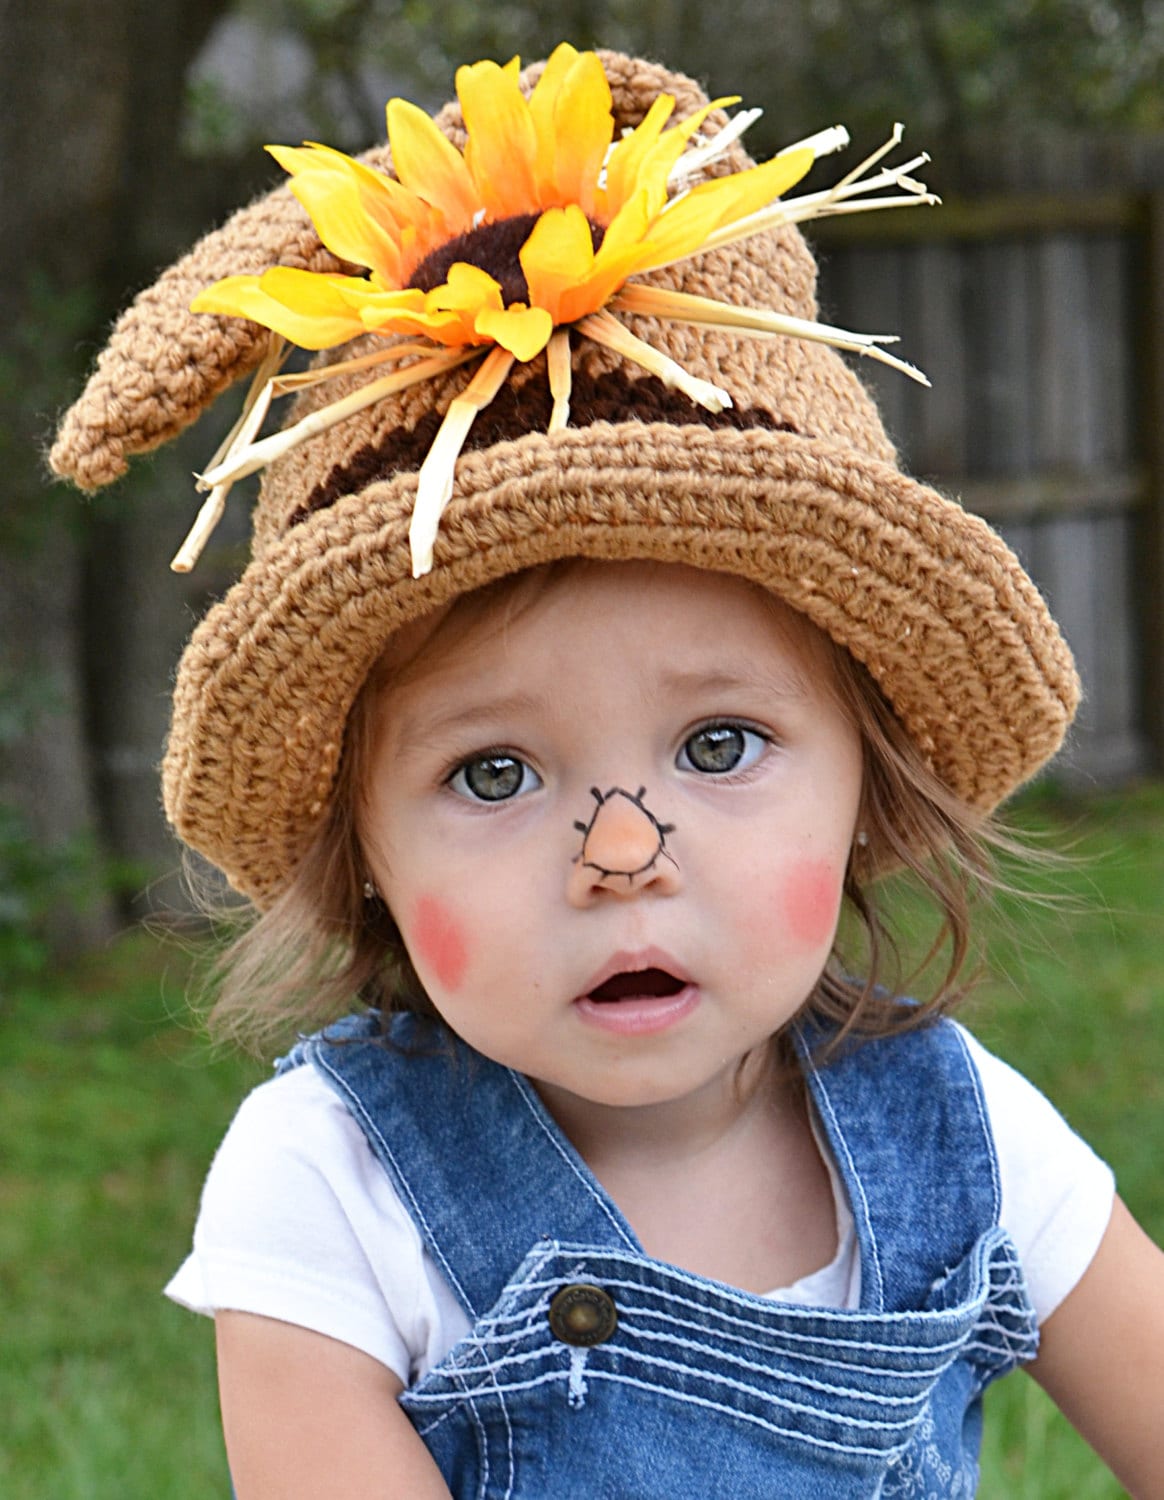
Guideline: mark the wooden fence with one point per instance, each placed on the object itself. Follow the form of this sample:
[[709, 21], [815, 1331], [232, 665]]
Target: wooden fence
[[1040, 321]]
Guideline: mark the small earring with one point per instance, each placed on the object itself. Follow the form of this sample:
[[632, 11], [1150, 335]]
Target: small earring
[[862, 839], [370, 891]]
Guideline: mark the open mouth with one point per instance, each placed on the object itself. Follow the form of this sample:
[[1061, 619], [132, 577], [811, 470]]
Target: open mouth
[[637, 984]]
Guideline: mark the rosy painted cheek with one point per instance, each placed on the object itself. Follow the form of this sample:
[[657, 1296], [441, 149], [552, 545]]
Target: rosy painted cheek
[[809, 902], [439, 941]]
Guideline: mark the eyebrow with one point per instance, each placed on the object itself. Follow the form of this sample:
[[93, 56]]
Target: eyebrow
[[791, 686], [410, 729]]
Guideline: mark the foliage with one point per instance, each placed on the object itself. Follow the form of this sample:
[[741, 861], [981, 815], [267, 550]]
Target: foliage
[[34, 877], [113, 1105], [39, 365], [948, 65]]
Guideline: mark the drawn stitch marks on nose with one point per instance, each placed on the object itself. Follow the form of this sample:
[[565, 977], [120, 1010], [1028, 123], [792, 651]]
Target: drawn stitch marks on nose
[[617, 836]]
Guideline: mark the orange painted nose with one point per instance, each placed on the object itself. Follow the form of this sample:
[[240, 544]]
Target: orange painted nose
[[622, 845]]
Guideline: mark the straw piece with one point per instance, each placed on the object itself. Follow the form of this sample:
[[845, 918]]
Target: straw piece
[[253, 414], [258, 455], [434, 485], [705, 312], [561, 377], [607, 330], [305, 379]]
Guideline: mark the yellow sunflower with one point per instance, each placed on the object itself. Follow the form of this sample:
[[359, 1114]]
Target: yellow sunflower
[[535, 228]]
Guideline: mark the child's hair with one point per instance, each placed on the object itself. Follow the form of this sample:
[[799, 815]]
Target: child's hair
[[324, 941]]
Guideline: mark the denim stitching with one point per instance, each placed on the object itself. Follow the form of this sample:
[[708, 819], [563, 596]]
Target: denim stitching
[[356, 1105], [853, 1183], [787, 1310], [754, 1367], [523, 1090], [984, 1121], [532, 1356], [700, 1376], [731, 1411]]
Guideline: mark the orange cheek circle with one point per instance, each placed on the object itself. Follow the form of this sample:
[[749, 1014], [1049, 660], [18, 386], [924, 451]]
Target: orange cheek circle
[[810, 900], [439, 942]]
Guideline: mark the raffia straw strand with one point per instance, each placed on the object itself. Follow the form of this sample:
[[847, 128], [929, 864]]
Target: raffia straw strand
[[305, 379], [210, 511], [265, 452], [560, 376], [758, 322], [434, 485], [278, 349], [607, 330]]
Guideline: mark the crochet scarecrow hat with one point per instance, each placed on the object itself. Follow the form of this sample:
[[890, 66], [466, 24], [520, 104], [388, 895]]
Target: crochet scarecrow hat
[[567, 318]]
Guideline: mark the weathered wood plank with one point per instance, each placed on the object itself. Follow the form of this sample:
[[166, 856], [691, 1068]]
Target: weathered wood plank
[[987, 219], [1150, 532], [1066, 492], [1027, 317]]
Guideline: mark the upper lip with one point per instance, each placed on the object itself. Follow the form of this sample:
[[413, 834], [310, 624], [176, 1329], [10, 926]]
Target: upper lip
[[636, 963]]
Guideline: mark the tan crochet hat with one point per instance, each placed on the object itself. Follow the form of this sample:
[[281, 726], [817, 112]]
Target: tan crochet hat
[[793, 485]]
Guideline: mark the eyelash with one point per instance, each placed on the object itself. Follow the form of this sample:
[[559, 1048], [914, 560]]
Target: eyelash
[[496, 752], [457, 770], [733, 773]]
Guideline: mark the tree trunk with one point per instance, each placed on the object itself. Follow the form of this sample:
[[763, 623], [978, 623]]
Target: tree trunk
[[91, 101]]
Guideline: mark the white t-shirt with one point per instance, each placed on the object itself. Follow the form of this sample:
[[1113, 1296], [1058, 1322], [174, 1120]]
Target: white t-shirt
[[300, 1222]]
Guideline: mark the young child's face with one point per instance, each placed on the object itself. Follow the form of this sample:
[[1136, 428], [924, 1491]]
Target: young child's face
[[643, 771]]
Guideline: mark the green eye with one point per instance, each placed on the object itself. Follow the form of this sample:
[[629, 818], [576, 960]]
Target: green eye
[[717, 749], [493, 778]]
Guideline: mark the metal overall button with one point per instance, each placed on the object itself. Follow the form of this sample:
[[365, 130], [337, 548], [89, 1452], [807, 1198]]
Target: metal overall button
[[583, 1314]]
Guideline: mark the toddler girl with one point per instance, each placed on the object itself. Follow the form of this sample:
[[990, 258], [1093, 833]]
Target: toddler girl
[[593, 655]]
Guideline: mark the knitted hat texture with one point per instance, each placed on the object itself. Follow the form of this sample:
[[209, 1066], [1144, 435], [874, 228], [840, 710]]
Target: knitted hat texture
[[795, 488]]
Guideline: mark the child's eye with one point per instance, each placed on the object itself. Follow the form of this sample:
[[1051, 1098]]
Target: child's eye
[[717, 749], [493, 778]]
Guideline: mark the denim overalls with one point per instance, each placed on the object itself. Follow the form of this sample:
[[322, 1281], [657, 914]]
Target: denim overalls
[[592, 1371]]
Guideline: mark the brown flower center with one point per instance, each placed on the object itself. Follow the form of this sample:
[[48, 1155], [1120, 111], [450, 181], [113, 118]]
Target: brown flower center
[[492, 248]]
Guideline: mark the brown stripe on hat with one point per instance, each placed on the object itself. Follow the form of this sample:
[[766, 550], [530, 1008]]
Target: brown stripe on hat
[[524, 408]]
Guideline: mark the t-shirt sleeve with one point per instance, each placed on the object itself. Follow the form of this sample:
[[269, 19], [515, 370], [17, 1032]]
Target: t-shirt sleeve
[[299, 1222], [1057, 1195]]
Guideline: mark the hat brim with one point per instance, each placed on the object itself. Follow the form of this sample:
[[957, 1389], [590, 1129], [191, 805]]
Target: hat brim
[[928, 597]]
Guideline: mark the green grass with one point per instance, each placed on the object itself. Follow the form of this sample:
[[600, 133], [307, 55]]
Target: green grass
[[110, 1109], [111, 1106]]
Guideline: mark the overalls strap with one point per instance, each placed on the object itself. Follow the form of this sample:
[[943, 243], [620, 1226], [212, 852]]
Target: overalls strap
[[477, 1161], [907, 1127]]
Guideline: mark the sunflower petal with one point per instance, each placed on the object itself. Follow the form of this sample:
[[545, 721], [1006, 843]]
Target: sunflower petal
[[583, 127], [524, 331], [542, 102], [688, 221], [350, 206], [557, 256], [628, 227], [429, 165], [304, 306], [655, 167], [467, 288], [380, 314], [626, 160], [501, 152]]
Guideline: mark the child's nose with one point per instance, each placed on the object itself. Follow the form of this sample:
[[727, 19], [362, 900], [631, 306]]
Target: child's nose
[[623, 849]]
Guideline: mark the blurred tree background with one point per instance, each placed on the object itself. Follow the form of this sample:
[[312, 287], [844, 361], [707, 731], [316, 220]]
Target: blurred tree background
[[129, 128]]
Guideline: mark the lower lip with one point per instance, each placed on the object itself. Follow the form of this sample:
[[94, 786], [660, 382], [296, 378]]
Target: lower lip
[[641, 1015]]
